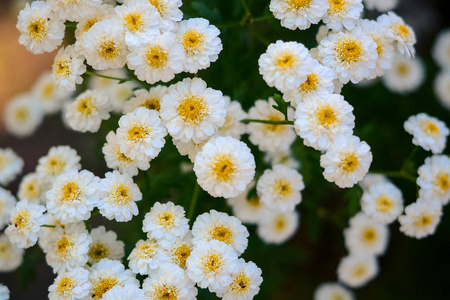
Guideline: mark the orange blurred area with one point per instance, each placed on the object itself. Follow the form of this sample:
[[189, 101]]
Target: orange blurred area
[[18, 67]]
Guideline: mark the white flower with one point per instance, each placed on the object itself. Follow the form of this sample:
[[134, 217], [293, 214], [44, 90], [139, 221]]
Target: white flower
[[318, 83], [146, 257], [169, 12], [150, 99], [441, 49], [434, 179], [40, 30], [247, 207], [357, 269], [11, 256], [92, 16], [140, 19], [66, 248], [106, 274], [73, 196], [116, 159], [331, 291], [382, 201], [165, 223], [224, 167], [405, 76], [381, 5], [351, 54], [4, 292], [201, 43], [26, 220], [50, 96], [190, 148], [421, 218], [320, 120], [401, 33], [30, 188], [7, 204], [157, 59], [366, 235], [22, 115], [214, 225], [278, 227], [371, 179], [428, 132], [235, 114], [104, 244], [73, 10], [280, 188], [298, 14], [68, 66], [129, 291], [211, 264], [118, 196], [285, 65], [347, 161], [178, 252], [442, 87], [88, 111], [270, 137], [71, 285], [192, 111], [11, 165], [141, 134], [104, 45], [343, 14], [169, 282]]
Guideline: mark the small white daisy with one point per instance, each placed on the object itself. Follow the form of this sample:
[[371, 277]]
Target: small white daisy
[[405, 76], [178, 252], [381, 5], [92, 16], [441, 49], [104, 244], [146, 257], [278, 227], [400, 32], [332, 291], [428, 132], [357, 269], [11, 165], [30, 188], [421, 218], [301, 14], [73, 10], [22, 115], [371, 179], [248, 207], [7, 204], [71, 285], [442, 87], [434, 179], [129, 291], [170, 13], [50, 96], [68, 66], [150, 99], [235, 114], [382, 201], [11, 256], [190, 148], [343, 14]]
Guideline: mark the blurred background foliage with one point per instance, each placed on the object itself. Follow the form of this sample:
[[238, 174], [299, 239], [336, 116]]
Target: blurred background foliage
[[411, 269]]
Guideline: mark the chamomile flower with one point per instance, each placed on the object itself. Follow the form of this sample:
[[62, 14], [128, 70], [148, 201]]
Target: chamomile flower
[[141, 20], [51, 220], [343, 14], [73, 196], [224, 167], [23, 114], [169, 282], [235, 114], [201, 43], [428, 132], [11, 256], [26, 220], [104, 45], [285, 65], [129, 291], [211, 264], [331, 290], [73, 284], [170, 13], [116, 159], [157, 59], [400, 32], [366, 235], [4, 292], [356, 270], [421, 218], [381, 5], [318, 83], [49, 95], [371, 179], [7, 204], [92, 16], [73, 10], [441, 49], [146, 257], [245, 282], [434, 179], [214, 225], [150, 99], [106, 274], [347, 161], [178, 251], [405, 76], [141, 134], [88, 111], [299, 14], [104, 244], [280, 188], [270, 137], [248, 207], [191, 111], [40, 30], [351, 54], [442, 88], [10, 165], [278, 227], [118, 196], [382, 201], [320, 120], [30, 188], [68, 66], [67, 248]]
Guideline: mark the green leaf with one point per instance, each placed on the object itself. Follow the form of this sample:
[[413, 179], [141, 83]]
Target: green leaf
[[281, 105]]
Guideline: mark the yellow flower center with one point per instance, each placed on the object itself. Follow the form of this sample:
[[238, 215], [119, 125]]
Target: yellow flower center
[[274, 128], [47, 90], [402, 69], [31, 189], [102, 286], [285, 60], [3, 161], [71, 192], [326, 116], [181, 254], [109, 49], [5, 250], [443, 181], [254, 201], [240, 284], [337, 7], [38, 28], [138, 132], [221, 233], [122, 157], [156, 57], [159, 6], [192, 109], [152, 104], [338, 297], [22, 114], [86, 106], [359, 271], [212, 263], [54, 165], [423, 220], [133, 21], [89, 23], [65, 287], [349, 163], [310, 84], [380, 44], [97, 252], [223, 167], [64, 246], [280, 223], [401, 30], [283, 187], [298, 5], [165, 292], [369, 235], [147, 249], [22, 220], [192, 41], [120, 194], [384, 204], [61, 67], [166, 219], [430, 128], [349, 50]]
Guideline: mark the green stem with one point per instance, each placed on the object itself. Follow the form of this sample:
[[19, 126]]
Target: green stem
[[108, 77], [244, 4], [193, 202], [132, 75], [263, 18], [396, 174], [49, 226], [410, 157], [71, 24], [88, 227], [286, 122]]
